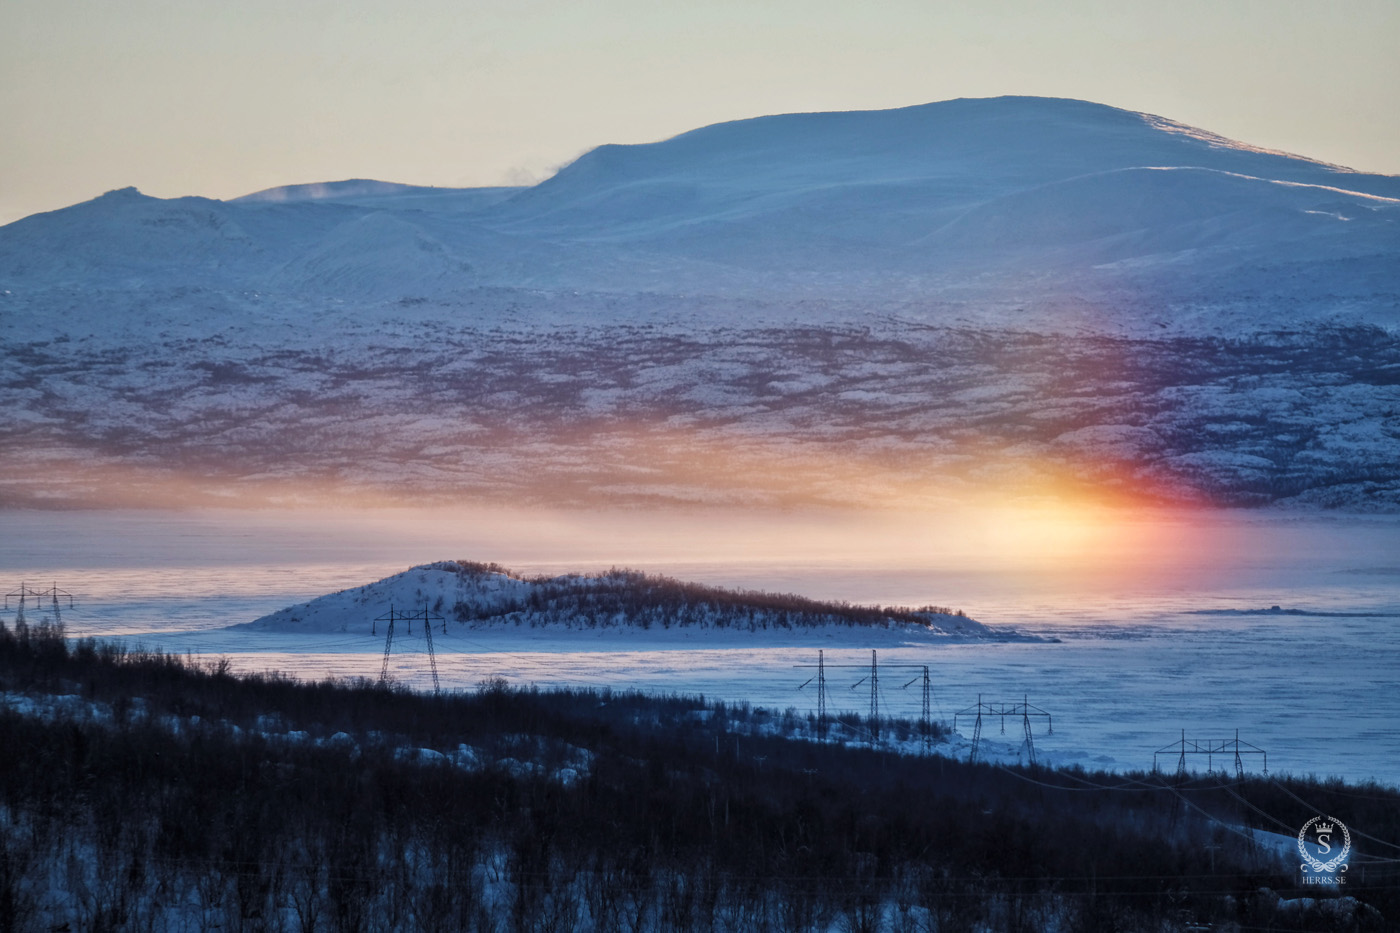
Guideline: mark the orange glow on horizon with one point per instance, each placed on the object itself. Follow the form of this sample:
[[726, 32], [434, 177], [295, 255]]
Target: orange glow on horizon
[[627, 466], [665, 494]]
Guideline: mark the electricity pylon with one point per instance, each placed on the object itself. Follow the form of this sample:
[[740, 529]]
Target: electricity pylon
[[26, 591], [873, 677], [1227, 749], [427, 618], [1002, 709]]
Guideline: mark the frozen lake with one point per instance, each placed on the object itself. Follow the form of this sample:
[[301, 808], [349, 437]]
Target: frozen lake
[[1165, 639]]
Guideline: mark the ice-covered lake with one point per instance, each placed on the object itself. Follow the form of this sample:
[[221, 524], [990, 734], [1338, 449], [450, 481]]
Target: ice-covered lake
[[1134, 654]]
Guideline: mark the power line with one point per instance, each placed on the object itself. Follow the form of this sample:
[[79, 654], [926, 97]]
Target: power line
[[876, 692], [1358, 832], [1211, 749]]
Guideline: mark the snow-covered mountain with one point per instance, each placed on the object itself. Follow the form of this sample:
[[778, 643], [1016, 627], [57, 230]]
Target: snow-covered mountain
[[848, 309], [485, 596], [1052, 196], [996, 182]]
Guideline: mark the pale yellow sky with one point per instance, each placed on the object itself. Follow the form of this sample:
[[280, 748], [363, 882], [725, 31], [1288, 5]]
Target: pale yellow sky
[[220, 99]]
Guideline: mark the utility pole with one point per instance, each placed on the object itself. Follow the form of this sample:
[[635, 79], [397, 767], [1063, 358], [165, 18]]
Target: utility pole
[[820, 678], [924, 715], [1026, 722], [1211, 848], [388, 643], [925, 729], [976, 731], [874, 697]]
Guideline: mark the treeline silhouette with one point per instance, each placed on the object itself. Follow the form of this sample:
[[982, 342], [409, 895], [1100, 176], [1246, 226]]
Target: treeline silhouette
[[630, 597], [148, 791]]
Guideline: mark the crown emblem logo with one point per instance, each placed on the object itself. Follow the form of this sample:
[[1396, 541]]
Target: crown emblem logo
[[1315, 842]]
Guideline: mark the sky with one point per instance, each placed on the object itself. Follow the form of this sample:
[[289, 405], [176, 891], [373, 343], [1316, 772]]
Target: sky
[[219, 99]]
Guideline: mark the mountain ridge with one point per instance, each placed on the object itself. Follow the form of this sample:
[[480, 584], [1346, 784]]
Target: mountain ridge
[[1016, 198]]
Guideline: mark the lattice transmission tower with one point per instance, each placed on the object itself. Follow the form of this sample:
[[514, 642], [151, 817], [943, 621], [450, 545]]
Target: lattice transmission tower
[[1002, 709], [53, 595], [1226, 749], [394, 616], [873, 679]]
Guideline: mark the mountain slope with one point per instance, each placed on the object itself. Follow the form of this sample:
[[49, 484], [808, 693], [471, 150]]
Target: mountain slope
[[851, 309]]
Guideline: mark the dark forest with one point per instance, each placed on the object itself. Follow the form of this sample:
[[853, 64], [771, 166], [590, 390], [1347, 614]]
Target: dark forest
[[152, 792]]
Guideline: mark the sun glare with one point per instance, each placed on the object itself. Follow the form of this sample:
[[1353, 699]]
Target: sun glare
[[1072, 537]]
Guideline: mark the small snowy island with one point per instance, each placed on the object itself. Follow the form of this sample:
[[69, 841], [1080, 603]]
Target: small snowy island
[[483, 597]]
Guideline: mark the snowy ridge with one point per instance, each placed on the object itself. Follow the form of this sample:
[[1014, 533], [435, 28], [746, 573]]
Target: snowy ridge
[[737, 208], [483, 596]]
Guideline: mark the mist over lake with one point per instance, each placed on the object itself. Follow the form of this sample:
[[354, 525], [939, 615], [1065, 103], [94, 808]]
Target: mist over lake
[[1131, 654]]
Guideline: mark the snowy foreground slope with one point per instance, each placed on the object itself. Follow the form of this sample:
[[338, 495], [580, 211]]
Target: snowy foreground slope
[[343, 805], [835, 309], [485, 597]]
